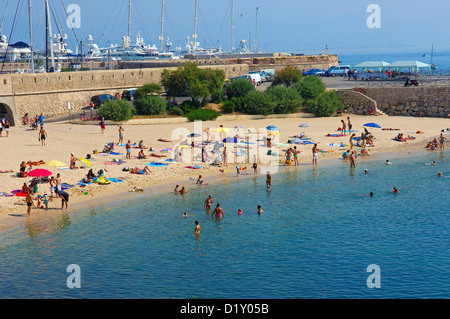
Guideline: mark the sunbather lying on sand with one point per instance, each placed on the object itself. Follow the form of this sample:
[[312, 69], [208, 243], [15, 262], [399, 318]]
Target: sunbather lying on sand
[[156, 155], [164, 140]]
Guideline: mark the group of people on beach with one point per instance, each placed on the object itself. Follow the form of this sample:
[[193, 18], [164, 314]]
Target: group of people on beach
[[56, 191], [4, 126], [437, 144]]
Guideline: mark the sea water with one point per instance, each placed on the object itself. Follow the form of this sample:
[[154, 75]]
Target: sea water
[[318, 234]]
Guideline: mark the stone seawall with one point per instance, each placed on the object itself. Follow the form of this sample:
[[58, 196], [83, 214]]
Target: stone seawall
[[50, 93], [433, 101]]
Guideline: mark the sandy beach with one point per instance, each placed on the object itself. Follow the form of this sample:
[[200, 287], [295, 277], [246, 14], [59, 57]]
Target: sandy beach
[[64, 139]]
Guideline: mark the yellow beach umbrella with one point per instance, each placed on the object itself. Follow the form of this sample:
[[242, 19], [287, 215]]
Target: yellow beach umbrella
[[84, 161], [184, 146], [54, 164], [220, 130], [274, 133]]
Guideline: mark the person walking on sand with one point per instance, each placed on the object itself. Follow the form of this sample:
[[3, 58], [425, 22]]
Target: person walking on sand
[[102, 125], [344, 127], [42, 136], [225, 157], [351, 141], [120, 134], [128, 148], [349, 125], [30, 203], [315, 152], [7, 125], [73, 160]]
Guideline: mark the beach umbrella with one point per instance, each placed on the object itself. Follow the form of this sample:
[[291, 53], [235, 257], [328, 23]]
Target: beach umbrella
[[39, 172], [185, 146], [54, 164], [303, 125], [272, 128], [84, 161], [193, 135], [220, 130], [372, 125], [274, 133], [230, 140]]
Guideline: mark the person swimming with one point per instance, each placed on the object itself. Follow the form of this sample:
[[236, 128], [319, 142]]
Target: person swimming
[[259, 209], [208, 202], [239, 212], [395, 191], [197, 228], [268, 180]]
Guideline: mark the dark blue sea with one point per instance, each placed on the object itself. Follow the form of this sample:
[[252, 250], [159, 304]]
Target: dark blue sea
[[441, 59], [318, 234]]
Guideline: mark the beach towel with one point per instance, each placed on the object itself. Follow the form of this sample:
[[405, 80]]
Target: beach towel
[[114, 153], [334, 135], [6, 194], [156, 164], [115, 180], [113, 163], [169, 160], [333, 144], [124, 144], [193, 167], [67, 185]]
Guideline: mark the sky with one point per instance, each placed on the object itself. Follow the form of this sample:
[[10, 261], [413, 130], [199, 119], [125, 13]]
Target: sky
[[292, 26]]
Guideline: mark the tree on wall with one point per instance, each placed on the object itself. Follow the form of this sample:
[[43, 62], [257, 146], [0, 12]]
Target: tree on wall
[[190, 80]]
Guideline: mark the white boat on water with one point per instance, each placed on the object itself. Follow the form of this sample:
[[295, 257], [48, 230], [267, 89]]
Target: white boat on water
[[13, 52]]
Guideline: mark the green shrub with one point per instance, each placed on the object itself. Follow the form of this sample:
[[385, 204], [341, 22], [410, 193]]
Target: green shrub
[[239, 88], [147, 89], [310, 87], [217, 95], [116, 110], [325, 104], [203, 115], [150, 105], [287, 76], [228, 106], [286, 100], [259, 103], [175, 110]]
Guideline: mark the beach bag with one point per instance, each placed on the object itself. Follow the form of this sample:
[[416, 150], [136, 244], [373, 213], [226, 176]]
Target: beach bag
[[88, 156]]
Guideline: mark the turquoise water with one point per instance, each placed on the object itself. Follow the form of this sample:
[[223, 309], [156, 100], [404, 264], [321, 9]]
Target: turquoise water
[[315, 239]]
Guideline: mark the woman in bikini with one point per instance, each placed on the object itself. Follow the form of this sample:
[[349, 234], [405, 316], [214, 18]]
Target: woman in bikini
[[315, 152]]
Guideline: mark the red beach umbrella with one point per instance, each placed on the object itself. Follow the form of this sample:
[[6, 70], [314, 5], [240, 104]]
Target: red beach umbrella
[[40, 172]]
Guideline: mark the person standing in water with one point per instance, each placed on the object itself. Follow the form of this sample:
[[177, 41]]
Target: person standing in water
[[218, 212], [259, 209], [208, 202], [315, 152], [268, 180], [197, 228], [30, 203]]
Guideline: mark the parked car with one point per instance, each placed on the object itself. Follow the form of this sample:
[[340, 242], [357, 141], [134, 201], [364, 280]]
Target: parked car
[[99, 100], [338, 70], [128, 94], [314, 72]]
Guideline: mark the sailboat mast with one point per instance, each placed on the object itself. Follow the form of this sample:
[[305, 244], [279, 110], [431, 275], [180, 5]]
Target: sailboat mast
[[161, 37], [195, 23], [30, 13], [129, 19], [49, 39], [232, 25], [256, 34]]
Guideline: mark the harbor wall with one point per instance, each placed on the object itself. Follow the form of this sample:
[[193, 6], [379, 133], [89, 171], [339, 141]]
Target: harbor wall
[[430, 101], [49, 93], [275, 62]]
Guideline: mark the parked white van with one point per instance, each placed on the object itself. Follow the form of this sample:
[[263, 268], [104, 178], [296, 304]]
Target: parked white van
[[255, 77]]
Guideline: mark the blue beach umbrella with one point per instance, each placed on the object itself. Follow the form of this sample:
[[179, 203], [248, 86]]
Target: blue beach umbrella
[[272, 128], [372, 125], [230, 140], [193, 135], [304, 125]]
